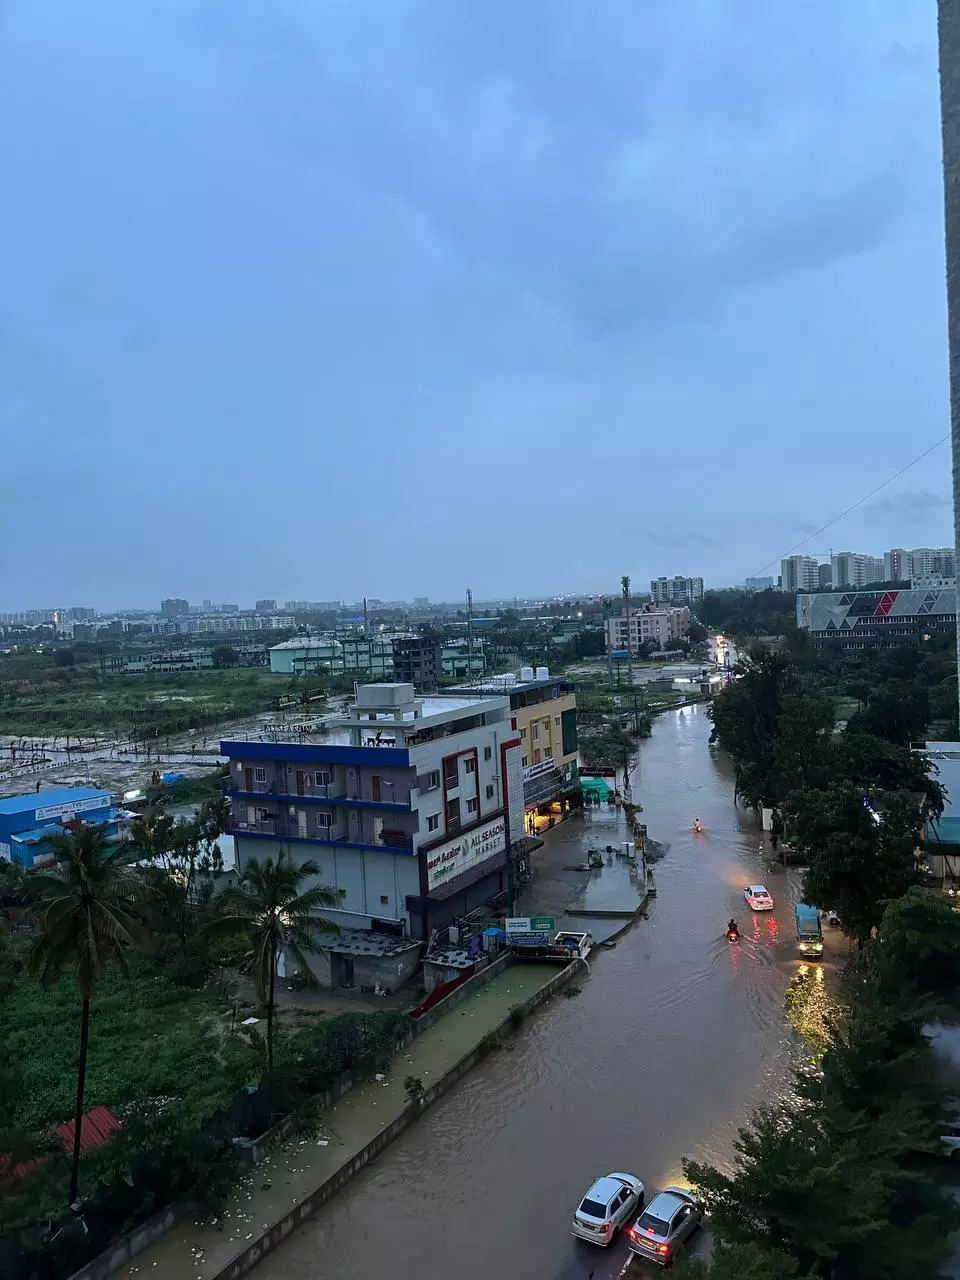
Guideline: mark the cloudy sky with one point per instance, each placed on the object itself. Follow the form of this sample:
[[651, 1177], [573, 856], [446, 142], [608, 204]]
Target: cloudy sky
[[323, 298]]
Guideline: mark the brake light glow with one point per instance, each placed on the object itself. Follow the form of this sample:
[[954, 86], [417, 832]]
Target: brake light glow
[[663, 1248], [632, 1233]]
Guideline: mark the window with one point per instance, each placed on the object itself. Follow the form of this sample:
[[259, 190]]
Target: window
[[384, 900], [433, 821], [433, 780], [451, 772], [490, 791], [263, 815], [453, 813], [322, 778], [259, 775], [325, 820], [523, 735], [536, 730], [523, 762], [556, 721], [470, 765], [536, 755], [487, 752], [472, 805]]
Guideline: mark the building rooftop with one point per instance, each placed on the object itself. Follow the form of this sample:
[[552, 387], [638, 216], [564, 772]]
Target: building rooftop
[[31, 800], [364, 942]]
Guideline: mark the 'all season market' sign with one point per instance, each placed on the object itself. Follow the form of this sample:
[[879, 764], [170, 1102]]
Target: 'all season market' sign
[[450, 859]]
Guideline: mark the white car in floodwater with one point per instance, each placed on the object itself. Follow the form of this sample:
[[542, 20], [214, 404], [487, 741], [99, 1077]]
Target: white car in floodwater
[[610, 1202], [758, 897]]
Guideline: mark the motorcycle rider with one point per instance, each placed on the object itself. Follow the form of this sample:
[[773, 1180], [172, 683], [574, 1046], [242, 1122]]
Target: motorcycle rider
[[733, 929]]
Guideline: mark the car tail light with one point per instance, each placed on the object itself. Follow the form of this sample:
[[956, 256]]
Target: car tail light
[[663, 1248], [632, 1233]]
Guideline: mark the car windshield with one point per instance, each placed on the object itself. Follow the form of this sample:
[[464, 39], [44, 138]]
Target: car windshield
[[650, 1222], [593, 1208]]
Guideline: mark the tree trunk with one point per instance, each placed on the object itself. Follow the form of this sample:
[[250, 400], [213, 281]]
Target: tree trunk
[[273, 980], [78, 1110]]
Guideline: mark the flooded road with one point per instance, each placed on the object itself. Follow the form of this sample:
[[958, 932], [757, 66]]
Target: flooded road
[[674, 1039]]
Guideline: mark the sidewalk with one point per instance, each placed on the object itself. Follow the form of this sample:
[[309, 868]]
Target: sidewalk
[[561, 886], [292, 1171]]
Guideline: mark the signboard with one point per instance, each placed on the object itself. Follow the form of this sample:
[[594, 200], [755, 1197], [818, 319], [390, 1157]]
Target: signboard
[[450, 859], [530, 924], [529, 931], [534, 771], [78, 806]]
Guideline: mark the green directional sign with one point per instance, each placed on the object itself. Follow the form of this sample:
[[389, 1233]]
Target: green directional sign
[[543, 924]]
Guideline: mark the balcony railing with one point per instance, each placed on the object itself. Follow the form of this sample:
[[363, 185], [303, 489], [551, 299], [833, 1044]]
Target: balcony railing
[[263, 826]]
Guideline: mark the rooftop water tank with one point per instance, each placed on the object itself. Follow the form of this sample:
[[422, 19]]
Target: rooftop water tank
[[543, 673], [526, 673]]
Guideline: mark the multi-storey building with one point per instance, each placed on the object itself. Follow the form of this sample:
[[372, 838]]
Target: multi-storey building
[[758, 584], [657, 625], [544, 711], [799, 573], [335, 655], [678, 590], [854, 569], [867, 619], [412, 808]]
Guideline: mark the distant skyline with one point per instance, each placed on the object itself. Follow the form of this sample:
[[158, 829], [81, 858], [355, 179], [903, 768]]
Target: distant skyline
[[421, 294]]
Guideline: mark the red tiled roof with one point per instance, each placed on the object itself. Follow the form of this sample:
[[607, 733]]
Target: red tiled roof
[[96, 1127]]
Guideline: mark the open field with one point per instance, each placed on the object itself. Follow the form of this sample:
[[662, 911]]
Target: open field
[[82, 701]]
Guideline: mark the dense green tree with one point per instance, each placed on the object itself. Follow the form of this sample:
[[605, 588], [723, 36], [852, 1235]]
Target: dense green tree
[[898, 710], [876, 765], [272, 912], [739, 1262], [918, 947], [88, 913], [859, 857], [224, 655]]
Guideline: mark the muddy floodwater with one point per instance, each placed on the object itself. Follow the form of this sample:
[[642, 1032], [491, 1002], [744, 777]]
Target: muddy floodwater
[[673, 1040]]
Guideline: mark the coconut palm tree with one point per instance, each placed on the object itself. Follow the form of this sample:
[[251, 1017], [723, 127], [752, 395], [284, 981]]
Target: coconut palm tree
[[87, 912], [270, 910]]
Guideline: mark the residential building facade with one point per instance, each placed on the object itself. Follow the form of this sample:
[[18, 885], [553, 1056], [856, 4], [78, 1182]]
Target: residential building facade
[[411, 807], [416, 661], [678, 590], [854, 569], [759, 584], [544, 712], [868, 619], [799, 573], [658, 625]]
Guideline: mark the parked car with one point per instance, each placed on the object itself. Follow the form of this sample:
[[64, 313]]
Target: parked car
[[759, 897], [610, 1202], [668, 1221]]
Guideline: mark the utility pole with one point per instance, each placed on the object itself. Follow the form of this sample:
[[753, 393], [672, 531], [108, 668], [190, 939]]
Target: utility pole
[[469, 633], [625, 586]]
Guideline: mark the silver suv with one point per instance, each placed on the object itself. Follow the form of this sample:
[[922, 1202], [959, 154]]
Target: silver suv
[[668, 1220]]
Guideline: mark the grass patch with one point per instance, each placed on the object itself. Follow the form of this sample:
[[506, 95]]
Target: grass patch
[[148, 1039]]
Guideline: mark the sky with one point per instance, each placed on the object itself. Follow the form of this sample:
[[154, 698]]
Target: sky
[[320, 299]]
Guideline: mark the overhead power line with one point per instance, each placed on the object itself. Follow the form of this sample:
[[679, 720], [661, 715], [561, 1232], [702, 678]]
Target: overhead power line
[[859, 503]]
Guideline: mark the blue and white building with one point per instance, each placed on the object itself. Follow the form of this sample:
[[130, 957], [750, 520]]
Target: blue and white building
[[27, 821], [410, 806]]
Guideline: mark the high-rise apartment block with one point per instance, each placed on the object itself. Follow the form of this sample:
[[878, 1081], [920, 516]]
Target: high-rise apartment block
[[854, 569], [799, 573], [900, 565], [678, 590]]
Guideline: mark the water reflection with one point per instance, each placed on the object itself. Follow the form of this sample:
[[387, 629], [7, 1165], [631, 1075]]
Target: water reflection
[[675, 1038]]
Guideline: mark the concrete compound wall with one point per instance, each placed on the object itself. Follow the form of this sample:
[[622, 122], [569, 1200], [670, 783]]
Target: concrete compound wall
[[279, 1231], [124, 1250]]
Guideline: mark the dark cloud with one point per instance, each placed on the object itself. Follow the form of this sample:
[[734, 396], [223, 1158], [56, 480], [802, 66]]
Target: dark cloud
[[918, 504], [375, 297]]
